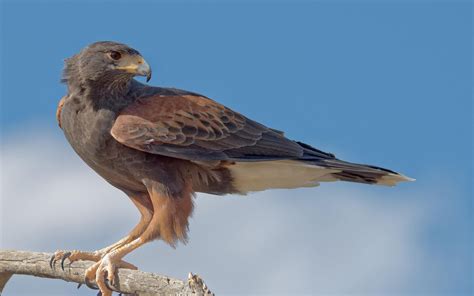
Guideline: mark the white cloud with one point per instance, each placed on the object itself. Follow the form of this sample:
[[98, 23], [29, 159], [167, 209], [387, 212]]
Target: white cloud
[[332, 240]]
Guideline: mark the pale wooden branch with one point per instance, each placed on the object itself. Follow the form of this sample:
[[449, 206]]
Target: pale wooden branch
[[133, 282]]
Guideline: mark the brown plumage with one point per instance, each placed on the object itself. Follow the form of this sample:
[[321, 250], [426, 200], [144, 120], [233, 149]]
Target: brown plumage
[[161, 145]]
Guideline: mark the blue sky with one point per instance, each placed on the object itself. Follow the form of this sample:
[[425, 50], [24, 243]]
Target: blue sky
[[387, 83]]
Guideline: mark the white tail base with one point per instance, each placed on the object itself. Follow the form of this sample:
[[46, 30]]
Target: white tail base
[[261, 175]]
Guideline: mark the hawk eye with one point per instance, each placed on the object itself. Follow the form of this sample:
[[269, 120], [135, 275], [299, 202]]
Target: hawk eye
[[115, 55]]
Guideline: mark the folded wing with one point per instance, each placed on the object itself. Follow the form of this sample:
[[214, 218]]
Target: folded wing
[[193, 127]]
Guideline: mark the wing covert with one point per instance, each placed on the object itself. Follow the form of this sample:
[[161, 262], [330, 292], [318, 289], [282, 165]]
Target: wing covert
[[190, 126]]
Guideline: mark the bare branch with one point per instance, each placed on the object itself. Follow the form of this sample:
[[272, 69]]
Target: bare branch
[[133, 282]]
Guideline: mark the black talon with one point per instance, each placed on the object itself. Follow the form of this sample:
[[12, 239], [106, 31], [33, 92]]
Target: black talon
[[65, 256], [99, 294], [79, 285], [51, 261]]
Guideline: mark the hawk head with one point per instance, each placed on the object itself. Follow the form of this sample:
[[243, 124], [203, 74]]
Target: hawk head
[[105, 61]]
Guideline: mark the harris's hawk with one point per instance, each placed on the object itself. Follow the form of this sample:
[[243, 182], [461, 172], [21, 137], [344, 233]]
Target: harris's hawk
[[161, 145]]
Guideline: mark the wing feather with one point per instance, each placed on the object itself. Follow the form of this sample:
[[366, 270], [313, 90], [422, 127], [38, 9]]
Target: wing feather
[[189, 126]]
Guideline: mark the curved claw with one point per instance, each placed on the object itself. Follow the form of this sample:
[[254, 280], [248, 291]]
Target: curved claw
[[79, 285], [65, 256], [51, 261]]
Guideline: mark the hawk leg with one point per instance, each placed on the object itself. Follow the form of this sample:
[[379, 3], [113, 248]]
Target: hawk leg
[[169, 222], [143, 204]]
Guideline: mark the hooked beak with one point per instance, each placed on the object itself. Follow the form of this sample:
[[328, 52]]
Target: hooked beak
[[148, 75], [144, 70], [136, 65]]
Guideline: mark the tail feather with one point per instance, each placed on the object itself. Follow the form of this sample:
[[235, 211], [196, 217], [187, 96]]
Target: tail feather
[[361, 173], [262, 175], [352, 172], [312, 167]]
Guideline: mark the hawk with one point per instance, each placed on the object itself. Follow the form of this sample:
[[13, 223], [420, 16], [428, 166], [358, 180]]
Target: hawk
[[162, 145]]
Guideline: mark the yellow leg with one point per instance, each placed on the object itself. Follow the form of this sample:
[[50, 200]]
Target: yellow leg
[[143, 205]]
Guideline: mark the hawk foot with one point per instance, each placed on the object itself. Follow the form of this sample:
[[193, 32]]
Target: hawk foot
[[103, 273], [73, 256]]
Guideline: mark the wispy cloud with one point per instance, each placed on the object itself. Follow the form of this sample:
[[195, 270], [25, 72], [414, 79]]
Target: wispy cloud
[[336, 239]]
